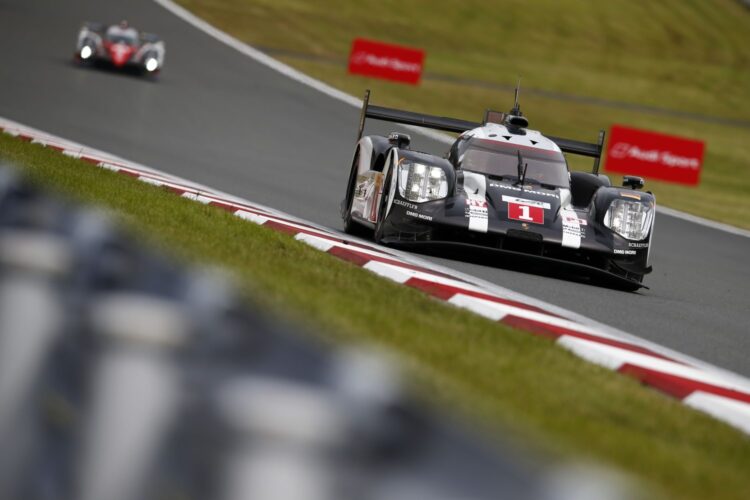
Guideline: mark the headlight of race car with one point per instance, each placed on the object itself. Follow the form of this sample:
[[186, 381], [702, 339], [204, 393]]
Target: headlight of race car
[[629, 219], [420, 183], [86, 52], [152, 64]]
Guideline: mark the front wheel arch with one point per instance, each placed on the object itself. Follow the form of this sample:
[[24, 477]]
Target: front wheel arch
[[383, 206]]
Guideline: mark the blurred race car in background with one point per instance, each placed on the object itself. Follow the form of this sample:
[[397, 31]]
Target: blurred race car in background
[[119, 46], [502, 191]]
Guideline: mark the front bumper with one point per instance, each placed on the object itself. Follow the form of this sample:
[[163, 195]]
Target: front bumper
[[441, 228]]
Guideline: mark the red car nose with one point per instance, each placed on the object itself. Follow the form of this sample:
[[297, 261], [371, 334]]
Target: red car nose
[[120, 53]]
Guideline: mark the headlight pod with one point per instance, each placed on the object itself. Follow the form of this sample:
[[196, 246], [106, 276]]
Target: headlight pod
[[152, 64], [629, 219], [86, 52], [420, 183]]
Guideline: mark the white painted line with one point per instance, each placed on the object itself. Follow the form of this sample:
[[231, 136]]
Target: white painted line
[[703, 222]]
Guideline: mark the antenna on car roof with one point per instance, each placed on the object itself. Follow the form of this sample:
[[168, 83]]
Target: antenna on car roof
[[516, 111], [515, 121]]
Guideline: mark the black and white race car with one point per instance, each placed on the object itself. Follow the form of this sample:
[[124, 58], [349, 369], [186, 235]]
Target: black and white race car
[[502, 191], [119, 46]]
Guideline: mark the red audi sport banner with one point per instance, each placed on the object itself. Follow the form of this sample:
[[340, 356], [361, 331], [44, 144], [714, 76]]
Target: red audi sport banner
[[654, 156], [383, 60]]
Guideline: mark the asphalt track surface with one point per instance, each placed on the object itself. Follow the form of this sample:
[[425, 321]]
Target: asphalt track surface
[[219, 118]]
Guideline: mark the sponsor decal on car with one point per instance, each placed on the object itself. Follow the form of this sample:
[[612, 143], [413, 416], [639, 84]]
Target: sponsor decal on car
[[620, 251], [573, 228], [475, 187], [411, 206], [525, 189], [632, 244], [570, 217], [524, 201], [526, 210], [418, 215]]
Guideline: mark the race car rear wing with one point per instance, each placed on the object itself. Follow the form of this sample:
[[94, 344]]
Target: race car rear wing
[[593, 150]]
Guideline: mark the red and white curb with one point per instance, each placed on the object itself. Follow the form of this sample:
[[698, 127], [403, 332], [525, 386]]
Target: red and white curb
[[715, 391]]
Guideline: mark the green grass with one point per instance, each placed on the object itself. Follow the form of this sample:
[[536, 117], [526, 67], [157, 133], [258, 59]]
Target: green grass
[[681, 55], [498, 376]]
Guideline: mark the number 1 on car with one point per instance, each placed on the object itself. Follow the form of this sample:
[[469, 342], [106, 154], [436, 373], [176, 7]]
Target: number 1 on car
[[525, 213]]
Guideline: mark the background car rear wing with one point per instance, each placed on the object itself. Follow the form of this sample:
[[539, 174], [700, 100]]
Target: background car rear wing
[[593, 150]]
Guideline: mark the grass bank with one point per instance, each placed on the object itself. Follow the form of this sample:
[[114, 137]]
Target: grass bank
[[496, 375], [691, 56]]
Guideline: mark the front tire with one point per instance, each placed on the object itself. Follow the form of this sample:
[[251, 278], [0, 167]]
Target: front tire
[[383, 206], [350, 226]]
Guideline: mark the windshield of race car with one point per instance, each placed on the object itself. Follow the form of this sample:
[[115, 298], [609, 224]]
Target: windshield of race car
[[127, 36], [500, 159]]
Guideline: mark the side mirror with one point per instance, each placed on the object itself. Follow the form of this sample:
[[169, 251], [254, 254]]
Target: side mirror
[[399, 139], [632, 182]]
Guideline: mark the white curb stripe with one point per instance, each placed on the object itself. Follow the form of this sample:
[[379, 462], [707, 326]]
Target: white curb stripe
[[319, 243], [733, 412], [393, 273]]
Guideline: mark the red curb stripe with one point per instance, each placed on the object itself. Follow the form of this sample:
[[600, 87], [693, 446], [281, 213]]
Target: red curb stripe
[[679, 387], [128, 173], [91, 159], [319, 233], [445, 292], [224, 206], [283, 228], [362, 259], [555, 332], [348, 255], [175, 190]]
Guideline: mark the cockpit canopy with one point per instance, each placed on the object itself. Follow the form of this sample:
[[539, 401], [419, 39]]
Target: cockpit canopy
[[127, 36], [500, 160]]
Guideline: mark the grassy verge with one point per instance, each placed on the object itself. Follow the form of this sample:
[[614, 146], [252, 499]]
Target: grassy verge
[[497, 375], [685, 56]]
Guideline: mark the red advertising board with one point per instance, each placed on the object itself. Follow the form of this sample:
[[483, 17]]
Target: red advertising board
[[383, 60], [654, 156]]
